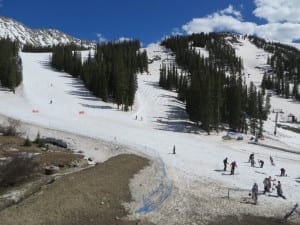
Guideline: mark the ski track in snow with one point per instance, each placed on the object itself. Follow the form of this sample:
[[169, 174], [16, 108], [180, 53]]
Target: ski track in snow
[[161, 123]]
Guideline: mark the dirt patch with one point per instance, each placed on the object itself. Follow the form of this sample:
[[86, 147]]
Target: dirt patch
[[250, 220], [91, 196], [60, 159]]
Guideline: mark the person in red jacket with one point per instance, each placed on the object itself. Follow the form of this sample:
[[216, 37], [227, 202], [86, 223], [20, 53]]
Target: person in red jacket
[[233, 165]]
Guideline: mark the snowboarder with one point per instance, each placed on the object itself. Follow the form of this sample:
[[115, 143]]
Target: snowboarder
[[272, 161], [251, 156], [225, 161], [233, 165], [254, 192], [51, 101], [174, 152], [261, 163], [282, 172]]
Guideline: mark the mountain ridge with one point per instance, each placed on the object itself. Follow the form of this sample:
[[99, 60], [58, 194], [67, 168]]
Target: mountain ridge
[[16, 30]]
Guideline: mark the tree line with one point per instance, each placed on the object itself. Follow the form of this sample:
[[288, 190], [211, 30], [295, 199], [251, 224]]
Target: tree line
[[50, 48], [110, 74], [10, 64], [212, 87], [284, 77]]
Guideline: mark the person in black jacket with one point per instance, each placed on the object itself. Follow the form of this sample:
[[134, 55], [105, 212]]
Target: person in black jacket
[[225, 162]]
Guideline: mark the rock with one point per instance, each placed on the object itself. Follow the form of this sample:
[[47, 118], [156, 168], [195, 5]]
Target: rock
[[51, 169], [51, 181]]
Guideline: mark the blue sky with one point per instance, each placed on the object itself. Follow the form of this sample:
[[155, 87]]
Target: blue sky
[[150, 20]]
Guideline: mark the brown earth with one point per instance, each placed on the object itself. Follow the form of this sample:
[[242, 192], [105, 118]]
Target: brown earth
[[89, 197], [250, 220]]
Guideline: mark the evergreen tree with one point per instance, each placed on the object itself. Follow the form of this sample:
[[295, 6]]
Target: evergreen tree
[[10, 64], [260, 113]]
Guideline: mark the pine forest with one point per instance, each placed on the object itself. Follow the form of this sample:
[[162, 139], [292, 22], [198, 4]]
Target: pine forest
[[10, 64], [110, 74], [213, 88]]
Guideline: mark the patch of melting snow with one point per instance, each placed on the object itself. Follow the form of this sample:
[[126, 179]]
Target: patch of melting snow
[[14, 196]]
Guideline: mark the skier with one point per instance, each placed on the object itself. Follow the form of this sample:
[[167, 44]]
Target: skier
[[225, 161], [254, 192], [233, 165], [261, 162], [51, 101], [282, 172], [174, 152], [251, 156], [272, 161]]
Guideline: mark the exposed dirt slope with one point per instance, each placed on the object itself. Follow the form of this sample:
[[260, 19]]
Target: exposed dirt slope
[[92, 196]]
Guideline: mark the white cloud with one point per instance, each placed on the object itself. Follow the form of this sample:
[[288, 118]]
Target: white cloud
[[228, 19], [177, 31], [284, 32], [101, 38], [278, 10], [218, 22], [122, 39], [279, 27], [231, 11]]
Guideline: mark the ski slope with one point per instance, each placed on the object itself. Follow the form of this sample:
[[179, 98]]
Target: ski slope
[[161, 123]]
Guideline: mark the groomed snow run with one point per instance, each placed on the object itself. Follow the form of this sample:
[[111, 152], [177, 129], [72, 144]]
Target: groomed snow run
[[56, 100]]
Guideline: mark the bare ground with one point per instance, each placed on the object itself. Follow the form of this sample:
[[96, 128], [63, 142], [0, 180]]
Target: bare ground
[[92, 196]]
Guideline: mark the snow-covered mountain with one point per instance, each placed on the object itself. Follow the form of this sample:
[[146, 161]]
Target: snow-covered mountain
[[37, 37]]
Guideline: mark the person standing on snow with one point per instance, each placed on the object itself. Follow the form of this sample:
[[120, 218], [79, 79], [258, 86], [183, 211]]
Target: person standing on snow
[[225, 162], [272, 161], [282, 172], [174, 151], [254, 192], [270, 182], [261, 162], [251, 156], [233, 166], [252, 162], [266, 185], [279, 190]]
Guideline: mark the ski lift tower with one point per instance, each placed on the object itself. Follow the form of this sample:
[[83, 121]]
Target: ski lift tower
[[276, 118]]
